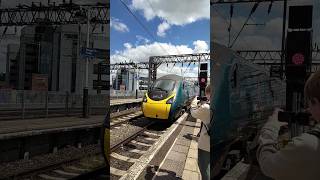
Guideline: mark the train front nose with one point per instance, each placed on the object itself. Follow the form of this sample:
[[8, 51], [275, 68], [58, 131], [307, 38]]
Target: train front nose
[[156, 109]]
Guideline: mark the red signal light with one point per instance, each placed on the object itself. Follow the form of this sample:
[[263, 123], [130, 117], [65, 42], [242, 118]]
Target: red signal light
[[297, 59]]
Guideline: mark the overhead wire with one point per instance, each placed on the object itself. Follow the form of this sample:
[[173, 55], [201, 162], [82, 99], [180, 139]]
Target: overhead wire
[[142, 25], [174, 46], [227, 22], [154, 13], [188, 68], [255, 6]]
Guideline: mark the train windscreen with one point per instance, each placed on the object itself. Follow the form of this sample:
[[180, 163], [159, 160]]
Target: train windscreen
[[164, 85]]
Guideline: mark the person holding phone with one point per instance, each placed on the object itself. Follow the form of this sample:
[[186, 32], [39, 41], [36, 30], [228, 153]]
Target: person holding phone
[[300, 158], [201, 110]]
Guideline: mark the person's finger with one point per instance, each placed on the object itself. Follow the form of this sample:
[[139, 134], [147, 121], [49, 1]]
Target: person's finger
[[283, 124], [277, 110]]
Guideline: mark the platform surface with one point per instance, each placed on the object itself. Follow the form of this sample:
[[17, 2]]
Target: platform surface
[[28, 127], [181, 162]]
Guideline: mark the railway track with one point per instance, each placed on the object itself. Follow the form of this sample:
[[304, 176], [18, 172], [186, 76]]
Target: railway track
[[67, 163], [77, 165], [92, 167], [127, 150], [124, 118]]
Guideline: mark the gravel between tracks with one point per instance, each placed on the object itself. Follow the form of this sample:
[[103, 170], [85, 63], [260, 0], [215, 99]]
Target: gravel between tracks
[[63, 155], [142, 140], [125, 152], [136, 146], [119, 164], [126, 130]]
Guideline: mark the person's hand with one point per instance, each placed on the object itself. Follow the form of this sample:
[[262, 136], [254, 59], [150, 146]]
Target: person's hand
[[273, 119], [195, 101], [270, 131]]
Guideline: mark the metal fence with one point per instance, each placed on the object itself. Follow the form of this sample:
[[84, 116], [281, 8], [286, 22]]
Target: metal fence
[[21, 104], [116, 94], [29, 104]]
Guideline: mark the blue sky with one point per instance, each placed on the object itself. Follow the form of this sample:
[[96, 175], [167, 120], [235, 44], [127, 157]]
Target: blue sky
[[173, 32]]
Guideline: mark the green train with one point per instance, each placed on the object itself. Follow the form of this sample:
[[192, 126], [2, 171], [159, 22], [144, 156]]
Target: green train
[[167, 98]]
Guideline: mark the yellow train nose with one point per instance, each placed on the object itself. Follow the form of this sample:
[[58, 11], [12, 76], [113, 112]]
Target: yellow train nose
[[156, 110]]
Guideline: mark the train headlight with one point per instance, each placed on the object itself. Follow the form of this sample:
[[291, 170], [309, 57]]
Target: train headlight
[[170, 101], [144, 98]]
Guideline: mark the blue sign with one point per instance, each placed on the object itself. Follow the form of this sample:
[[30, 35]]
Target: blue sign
[[88, 52], [94, 53]]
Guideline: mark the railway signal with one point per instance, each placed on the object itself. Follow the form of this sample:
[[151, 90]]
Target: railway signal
[[203, 79], [298, 54], [298, 51], [298, 60]]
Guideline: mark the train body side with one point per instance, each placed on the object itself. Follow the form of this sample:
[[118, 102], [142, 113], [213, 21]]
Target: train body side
[[244, 97]]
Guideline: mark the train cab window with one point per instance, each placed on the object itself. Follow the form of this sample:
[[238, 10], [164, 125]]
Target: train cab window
[[164, 85]]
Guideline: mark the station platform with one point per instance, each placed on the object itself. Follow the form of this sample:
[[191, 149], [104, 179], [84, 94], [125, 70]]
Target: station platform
[[30, 127], [181, 161]]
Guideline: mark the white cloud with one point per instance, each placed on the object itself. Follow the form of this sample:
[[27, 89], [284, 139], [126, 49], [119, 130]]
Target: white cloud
[[220, 28], [118, 25], [252, 37], [185, 71], [127, 45], [256, 42], [141, 53], [173, 12], [274, 27], [162, 28], [141, 39], [258, 37], [200, 46]]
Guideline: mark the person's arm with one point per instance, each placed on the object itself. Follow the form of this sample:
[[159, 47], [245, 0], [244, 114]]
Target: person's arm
[[278, 164], [273, 162], [199, 111]]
